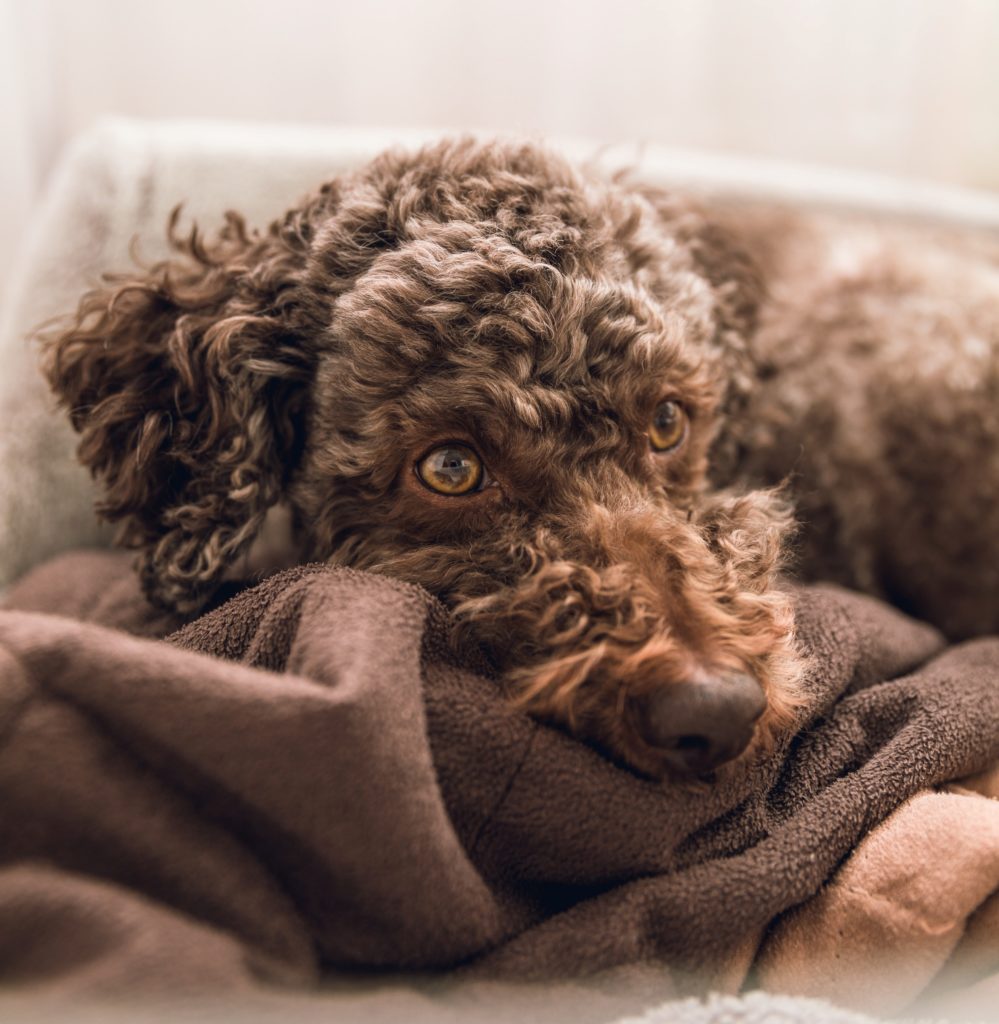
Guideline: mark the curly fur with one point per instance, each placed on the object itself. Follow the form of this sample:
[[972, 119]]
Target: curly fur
[[495, 295]]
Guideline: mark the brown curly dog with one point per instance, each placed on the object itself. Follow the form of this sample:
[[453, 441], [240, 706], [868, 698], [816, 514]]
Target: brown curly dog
[[558, 402]]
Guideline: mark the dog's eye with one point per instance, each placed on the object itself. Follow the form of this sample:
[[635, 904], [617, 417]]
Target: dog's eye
[[668, 426], [452, 469]]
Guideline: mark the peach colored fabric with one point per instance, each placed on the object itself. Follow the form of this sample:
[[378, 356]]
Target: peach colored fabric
[[912, 916]]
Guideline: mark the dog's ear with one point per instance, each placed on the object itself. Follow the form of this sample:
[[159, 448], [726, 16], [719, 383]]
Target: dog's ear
[[187, 384]]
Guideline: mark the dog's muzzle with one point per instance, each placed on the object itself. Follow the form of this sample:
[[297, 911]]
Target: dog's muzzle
[[699, 725]]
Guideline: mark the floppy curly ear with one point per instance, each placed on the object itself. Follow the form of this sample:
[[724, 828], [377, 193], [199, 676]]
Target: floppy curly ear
[[187, 384]]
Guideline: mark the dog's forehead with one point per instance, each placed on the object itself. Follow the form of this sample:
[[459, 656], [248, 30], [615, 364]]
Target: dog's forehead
[[592, 349], [546, 324], [423, 310]]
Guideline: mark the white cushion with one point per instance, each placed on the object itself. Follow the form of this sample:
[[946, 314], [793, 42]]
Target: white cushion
[[122, 179]]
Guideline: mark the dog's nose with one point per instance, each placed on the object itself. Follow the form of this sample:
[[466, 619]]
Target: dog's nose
[[700, 725]]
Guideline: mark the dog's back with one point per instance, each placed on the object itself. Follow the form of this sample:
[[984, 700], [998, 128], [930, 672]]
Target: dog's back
[[878, 394]]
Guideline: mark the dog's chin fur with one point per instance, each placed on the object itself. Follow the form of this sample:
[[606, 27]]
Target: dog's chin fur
[[484, 294], [587, 616], [657, 599]]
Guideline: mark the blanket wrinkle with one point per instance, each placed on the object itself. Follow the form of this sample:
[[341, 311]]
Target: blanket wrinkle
[[921, 910], [85, 933], [259, 752], [312, 773], [18, 696], [72, 794], [491, 812], [278, 608]]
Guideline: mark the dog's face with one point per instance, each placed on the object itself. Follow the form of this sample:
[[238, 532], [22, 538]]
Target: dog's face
[[482, 372]]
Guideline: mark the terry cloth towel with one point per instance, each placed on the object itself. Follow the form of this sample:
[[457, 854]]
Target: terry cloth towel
[[305, 780]]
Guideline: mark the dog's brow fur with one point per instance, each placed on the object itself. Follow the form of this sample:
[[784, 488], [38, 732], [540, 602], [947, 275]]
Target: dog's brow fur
[[485, 294]]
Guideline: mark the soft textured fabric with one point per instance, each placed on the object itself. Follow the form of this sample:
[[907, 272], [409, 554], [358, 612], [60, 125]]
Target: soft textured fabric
[[918, 899], [303, 781], [755, 1008]]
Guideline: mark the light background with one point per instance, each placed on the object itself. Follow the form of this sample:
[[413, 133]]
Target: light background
[[904, 87]]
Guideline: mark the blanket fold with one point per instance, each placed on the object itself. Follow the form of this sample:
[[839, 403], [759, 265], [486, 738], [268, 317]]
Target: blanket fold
[[305, 778]]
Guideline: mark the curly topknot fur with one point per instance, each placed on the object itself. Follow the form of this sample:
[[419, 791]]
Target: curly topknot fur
[[494, 295]]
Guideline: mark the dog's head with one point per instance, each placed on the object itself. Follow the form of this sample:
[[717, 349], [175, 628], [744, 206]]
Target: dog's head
[[484, 371]]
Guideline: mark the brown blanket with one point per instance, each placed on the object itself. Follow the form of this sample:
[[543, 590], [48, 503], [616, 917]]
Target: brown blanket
[[304, 780]]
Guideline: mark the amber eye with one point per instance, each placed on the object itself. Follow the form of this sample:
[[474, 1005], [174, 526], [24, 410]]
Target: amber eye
[[451, 469], [668, 426]]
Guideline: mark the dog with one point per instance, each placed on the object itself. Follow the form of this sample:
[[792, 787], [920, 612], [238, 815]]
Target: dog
[[591, 416]]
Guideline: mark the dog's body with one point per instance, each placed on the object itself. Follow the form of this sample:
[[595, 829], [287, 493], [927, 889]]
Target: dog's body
[[558, 403], [877, 396]]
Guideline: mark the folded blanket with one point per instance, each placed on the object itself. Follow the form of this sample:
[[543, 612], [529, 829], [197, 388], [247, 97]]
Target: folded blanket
[[305, 779], [912, 915]]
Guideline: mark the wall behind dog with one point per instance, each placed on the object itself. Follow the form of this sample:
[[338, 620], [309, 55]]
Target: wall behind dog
[[906, 87]]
